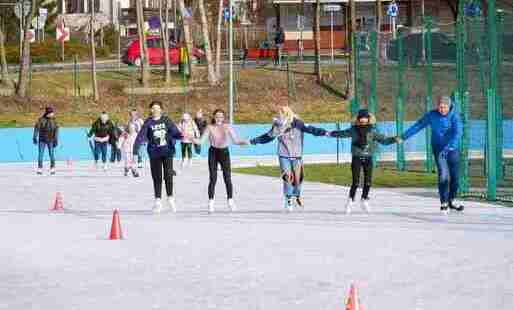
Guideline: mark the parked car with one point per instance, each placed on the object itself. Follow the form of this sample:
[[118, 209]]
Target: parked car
[[155, 46]]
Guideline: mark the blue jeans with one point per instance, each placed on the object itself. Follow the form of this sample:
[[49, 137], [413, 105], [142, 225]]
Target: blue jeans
[[100, 147], [42, 146], [448, 168], [115, 153], [290, 167]]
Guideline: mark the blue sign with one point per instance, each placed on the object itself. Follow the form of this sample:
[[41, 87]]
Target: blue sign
[[472, 9], [226, 14], [393, 10]]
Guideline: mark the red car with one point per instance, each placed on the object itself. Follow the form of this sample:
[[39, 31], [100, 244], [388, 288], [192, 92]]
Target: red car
[[155, 46]]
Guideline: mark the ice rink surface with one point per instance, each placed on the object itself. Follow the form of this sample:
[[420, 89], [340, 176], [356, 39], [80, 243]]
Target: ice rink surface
[[404, 255]]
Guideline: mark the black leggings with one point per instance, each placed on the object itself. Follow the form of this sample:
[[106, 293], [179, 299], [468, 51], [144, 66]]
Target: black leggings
[[156, 165], [219, 156], [356, 164], [186, 150]]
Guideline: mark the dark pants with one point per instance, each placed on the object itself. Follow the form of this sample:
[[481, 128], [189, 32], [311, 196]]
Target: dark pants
[[197, 149], [448, 168], [222, 157], [115, 153], [100, 148], [156, 166], [186, 150], [356, 165], [51, 153]]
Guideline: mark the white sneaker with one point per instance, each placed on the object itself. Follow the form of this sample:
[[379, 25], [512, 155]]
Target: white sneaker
[[349, 205], [189, 163], [365, 205], [140, 165], [158, 206], [52, 171], [211, 206], [105, 167], [39, 171], [289, 204], [171, 203], [231, 205]]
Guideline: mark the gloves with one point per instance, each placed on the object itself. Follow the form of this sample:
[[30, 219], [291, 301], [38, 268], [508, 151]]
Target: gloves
[[34, 140], [252, 142]]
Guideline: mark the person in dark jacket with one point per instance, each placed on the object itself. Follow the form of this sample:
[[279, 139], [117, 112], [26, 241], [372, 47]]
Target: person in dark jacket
[[101, 133], [201, 123], [446, 131], [279, 41], [364, 135], [160, 133], [46, 135], [115, 151]]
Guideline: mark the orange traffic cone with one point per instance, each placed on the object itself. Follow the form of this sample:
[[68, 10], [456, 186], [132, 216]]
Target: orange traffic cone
[[353, 301], [115, 230], [58, 204]]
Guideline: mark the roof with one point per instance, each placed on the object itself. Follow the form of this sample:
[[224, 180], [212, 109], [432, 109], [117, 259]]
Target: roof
[[322, 1]]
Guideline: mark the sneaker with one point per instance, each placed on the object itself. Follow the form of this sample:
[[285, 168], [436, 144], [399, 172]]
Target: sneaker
[[211, 206], [158, 206], [444, 209], [349, 205], [231, 205], [289, 204], [171, 203], [300, 202], [39, 171], [135, 174], [455, 207], [140, 165], [105, 167], [126, 172], [52, 171], [365, 205]]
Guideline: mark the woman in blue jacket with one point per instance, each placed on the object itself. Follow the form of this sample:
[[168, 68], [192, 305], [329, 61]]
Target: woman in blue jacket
[[446, 130]]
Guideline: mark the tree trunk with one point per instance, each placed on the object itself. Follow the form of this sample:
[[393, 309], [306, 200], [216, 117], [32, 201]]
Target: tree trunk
[[21, 89], [317, 40], [3, 61], [379, 21], [188, 37], [164, 32], [219, 39], [212, 77], [96, 95], [143, 50], [352, 61]]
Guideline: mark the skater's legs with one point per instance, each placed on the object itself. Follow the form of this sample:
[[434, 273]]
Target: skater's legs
[[356, 165], [212, 169], [367, 175], [41, 154], [183, 147], [454, 172], [189, 150], [167, 164], [443, 177], [287, 176], [103, 150], [224, 160], [297, 165], [156, 175], [96, 151]]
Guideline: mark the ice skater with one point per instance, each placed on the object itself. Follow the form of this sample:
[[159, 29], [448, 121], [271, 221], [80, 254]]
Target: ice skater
[[126, 145], [289, 129], [189, 131], [135, 120], [219, 135], [100, 133], [446, 130], [160, 133], [364, 135], [46, 135]]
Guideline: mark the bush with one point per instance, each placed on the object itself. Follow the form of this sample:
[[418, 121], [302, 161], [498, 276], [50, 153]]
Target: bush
[[49, 51]]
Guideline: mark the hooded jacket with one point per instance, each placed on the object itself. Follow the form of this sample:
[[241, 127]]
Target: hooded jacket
[[46, 130], [359, 148], [290, 137], [446, 130], [101, 130], [160, 135]]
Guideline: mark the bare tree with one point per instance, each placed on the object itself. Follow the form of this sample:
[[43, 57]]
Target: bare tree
[[164, 33], [219, 38], [143, 49], [351, 89], [212, 76], [5, 72], [317, 39], [379, 21], [96, 95], [21, 89], [187, 36]]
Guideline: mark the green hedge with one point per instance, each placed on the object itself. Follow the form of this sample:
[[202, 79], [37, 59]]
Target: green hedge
[[50, 51]]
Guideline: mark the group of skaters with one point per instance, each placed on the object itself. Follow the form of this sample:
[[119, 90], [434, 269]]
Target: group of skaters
[[160, 134]]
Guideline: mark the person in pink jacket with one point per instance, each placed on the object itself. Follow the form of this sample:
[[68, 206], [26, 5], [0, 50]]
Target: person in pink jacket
[[126, 144], [189, 131]]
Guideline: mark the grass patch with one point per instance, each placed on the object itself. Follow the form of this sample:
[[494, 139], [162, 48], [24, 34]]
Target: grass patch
[[341, 175]]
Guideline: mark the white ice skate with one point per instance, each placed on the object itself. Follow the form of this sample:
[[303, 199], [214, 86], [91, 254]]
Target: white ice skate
[[105, 167], [231, 205], [158, 206], [365, 205], [444, 209], [52, 171], [289, 204], [39, 171], [189, 162], [349, 206], [211, 206], [171, 203], [300, 203]]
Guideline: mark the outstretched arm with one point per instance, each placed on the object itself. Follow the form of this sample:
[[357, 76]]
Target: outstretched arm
[[36, 131], [346, 133], [235, 138], [380, 138], [266, 137], [299, 124], [173, 131], [141, 138], [415, 128]]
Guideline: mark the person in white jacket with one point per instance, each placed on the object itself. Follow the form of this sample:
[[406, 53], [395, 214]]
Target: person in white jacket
[[126, 144], [189, 131]]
